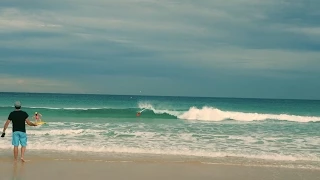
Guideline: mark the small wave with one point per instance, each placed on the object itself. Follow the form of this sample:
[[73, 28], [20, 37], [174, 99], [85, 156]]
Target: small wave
[[214, 114], [193, 113], [144, 105], [68, 108], [42, 108], [59, 108], [64, 132], [84, 108]]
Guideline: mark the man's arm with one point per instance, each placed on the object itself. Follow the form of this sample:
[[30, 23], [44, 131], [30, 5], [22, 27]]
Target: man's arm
[[30, 123], [6, 125]]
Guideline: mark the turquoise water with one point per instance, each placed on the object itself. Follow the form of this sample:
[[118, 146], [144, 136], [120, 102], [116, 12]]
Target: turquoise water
[[265, 129]]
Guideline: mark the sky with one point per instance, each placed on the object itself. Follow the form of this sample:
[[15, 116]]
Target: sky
[[216, 48]]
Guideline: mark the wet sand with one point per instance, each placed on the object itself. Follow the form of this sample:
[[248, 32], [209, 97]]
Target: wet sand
[[51, 169]]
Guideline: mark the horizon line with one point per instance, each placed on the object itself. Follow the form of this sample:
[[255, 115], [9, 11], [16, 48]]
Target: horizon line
[[101, 94]]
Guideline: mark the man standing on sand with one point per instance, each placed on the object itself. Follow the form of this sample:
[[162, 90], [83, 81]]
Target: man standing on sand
[[18, 119]]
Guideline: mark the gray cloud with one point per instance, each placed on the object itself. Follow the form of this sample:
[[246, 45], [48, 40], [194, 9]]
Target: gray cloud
[[166, 43]]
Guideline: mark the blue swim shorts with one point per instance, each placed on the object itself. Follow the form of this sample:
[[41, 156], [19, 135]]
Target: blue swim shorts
[[19, 137]]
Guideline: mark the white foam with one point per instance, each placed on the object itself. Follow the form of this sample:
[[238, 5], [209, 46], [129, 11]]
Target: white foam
[[158, 151], [145, 105], [53, 132], [55, 108], [214, 114], [74, 108], [146, 141]]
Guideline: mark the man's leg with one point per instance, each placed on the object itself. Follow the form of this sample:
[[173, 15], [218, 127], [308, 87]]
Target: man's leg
[[23, 141], [15, 153], [23, 149], [15, 143]]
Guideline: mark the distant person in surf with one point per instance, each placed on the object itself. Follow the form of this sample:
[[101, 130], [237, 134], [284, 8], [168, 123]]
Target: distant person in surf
[[37, 116], [139, 112]]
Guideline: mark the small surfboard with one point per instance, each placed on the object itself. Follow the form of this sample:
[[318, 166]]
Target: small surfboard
[[40, 123]]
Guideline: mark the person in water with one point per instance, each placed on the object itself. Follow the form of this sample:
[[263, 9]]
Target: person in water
[[139, 112], [37, 116]]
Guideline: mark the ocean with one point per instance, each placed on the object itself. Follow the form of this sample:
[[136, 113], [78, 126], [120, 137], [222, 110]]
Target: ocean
[[231, 130]]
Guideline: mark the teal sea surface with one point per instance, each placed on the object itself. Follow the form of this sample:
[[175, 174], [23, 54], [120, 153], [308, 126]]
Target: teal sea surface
[[274, 130]]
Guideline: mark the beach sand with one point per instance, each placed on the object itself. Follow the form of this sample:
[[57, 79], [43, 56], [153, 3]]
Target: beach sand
[[51, 169]]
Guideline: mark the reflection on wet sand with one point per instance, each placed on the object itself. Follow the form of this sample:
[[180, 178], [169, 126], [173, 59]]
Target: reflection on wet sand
[[17, 171]]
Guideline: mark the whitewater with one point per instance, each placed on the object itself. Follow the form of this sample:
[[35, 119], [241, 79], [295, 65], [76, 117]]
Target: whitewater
[[214, 114]]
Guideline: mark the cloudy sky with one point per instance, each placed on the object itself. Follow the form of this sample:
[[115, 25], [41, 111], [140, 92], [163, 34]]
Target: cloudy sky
[[220, 48]]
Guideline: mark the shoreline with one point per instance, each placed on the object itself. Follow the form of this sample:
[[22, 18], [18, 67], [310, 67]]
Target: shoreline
[[76, 156]]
